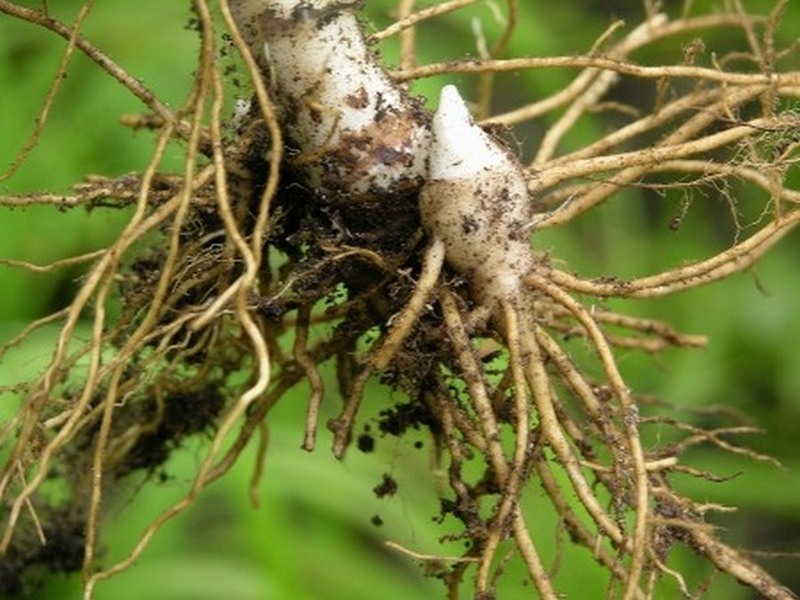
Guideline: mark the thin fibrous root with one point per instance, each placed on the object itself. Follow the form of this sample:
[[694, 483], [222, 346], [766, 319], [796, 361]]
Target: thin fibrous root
[[389, 345]]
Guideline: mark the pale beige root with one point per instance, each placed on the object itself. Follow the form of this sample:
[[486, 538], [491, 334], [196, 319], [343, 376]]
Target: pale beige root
[[384, 351], [512, 410], [358, 134]]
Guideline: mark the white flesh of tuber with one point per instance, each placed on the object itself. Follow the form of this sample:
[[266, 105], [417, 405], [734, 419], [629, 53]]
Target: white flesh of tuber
[[476, 201], [357, 131], [360, 135]]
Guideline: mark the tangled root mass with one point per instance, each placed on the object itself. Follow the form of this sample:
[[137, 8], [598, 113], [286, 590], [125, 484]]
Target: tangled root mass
[[340, 214]]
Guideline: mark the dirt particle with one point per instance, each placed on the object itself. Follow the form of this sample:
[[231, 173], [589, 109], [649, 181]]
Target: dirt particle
[[365, 443], [387, 487]]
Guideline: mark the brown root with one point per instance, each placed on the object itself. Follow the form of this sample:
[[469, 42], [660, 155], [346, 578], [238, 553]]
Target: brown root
[[179, 327]]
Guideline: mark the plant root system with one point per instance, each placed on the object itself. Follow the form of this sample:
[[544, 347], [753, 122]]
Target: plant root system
[[337, 213]]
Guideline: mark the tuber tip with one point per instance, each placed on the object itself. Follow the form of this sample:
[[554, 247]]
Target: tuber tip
[[460, 147], [452, 108]]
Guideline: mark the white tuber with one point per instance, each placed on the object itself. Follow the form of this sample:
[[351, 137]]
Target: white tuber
[[357, 131], [476, 201]]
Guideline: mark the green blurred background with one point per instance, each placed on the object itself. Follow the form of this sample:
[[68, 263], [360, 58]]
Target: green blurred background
[[313, 535]]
